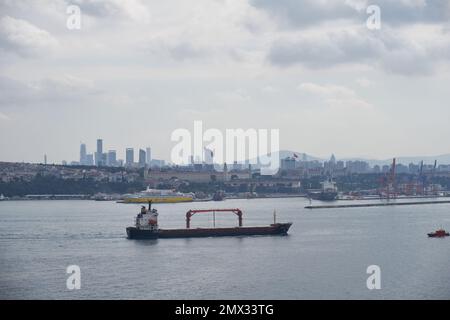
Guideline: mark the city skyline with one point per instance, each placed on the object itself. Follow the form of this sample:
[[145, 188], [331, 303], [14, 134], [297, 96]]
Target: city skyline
[[109, 156], [144, 158], [113, 156]]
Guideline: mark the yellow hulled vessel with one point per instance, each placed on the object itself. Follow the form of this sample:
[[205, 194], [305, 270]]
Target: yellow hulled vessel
[[158, 196]]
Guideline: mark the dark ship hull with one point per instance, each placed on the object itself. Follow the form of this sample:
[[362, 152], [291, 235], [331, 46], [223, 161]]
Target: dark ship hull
[[273, 229], [323, 196], [135, 233], [438, 235]]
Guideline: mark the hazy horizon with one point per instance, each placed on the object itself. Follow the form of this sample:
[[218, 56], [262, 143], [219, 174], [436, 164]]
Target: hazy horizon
[[137, 70]]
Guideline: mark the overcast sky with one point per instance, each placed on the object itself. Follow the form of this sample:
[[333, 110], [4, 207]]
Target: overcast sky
[[137, 70]]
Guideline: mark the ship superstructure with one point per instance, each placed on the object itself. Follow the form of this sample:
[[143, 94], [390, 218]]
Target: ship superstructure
[[329, 191]]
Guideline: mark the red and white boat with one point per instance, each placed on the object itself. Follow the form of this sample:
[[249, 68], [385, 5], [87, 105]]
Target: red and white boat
[[441, 233]]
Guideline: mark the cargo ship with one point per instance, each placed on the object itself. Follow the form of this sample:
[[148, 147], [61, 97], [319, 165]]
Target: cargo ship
[[157, 196], [146, 227], [329, 191]]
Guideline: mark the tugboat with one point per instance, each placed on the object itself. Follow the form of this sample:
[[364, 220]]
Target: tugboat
[[440, 233], [146, 227]]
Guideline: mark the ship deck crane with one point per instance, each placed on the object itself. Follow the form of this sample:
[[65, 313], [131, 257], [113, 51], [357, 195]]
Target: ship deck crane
[[190, 213]]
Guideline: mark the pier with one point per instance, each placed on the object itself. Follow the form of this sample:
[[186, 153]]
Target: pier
[[385, 204]]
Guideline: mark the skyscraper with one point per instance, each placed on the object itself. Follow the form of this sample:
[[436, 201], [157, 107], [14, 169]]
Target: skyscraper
[[89, 159], [149, 156], [129, 156], [99, 153], [208, 156], [83, 154], [111, 160], [142, 158]]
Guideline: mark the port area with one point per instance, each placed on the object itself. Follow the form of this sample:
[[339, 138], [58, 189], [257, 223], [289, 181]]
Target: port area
[[383, 204]]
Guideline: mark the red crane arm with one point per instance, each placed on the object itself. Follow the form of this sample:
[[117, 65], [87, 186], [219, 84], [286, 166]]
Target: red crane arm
[[190, 213]]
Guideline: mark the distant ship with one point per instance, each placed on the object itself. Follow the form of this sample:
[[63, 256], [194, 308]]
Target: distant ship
[[158, 196], [329, 191], [2, 197], [219, 195], [440, 233]]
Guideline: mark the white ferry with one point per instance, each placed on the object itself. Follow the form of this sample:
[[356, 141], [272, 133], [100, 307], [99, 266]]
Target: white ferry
[[158, 196]]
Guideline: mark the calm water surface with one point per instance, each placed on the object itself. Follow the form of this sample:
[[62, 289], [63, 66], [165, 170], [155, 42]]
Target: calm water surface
[[325, 255]]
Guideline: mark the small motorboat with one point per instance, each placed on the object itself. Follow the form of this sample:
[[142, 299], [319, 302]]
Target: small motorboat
[[441, 233]]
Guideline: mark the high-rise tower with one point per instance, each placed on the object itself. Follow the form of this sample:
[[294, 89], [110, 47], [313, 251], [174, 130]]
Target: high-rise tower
[[83, 154], [99, 153], [129, 156]]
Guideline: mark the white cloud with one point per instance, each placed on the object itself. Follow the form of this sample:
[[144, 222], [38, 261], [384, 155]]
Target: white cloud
[[405, 50], [231, 62], [55, 90], [4, 117], [270, 89], [24, 38], [298, 14], [335, 96], [364, 82], [135, 10]]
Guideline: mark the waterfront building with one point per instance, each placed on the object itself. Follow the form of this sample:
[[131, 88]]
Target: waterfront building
[[142, 158], [129, 156], [357, 166], [340, 165], [99, 153], [111, 160], [83, 154], [288, 163], [148, 158], [400, 168], [157, 163], [209, 156], [89, 159]]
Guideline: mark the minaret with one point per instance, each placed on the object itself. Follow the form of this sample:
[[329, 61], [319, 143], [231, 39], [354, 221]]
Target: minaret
[[225, 172]]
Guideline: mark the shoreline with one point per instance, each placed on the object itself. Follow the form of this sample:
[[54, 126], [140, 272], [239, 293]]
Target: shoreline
[[364, 205]]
